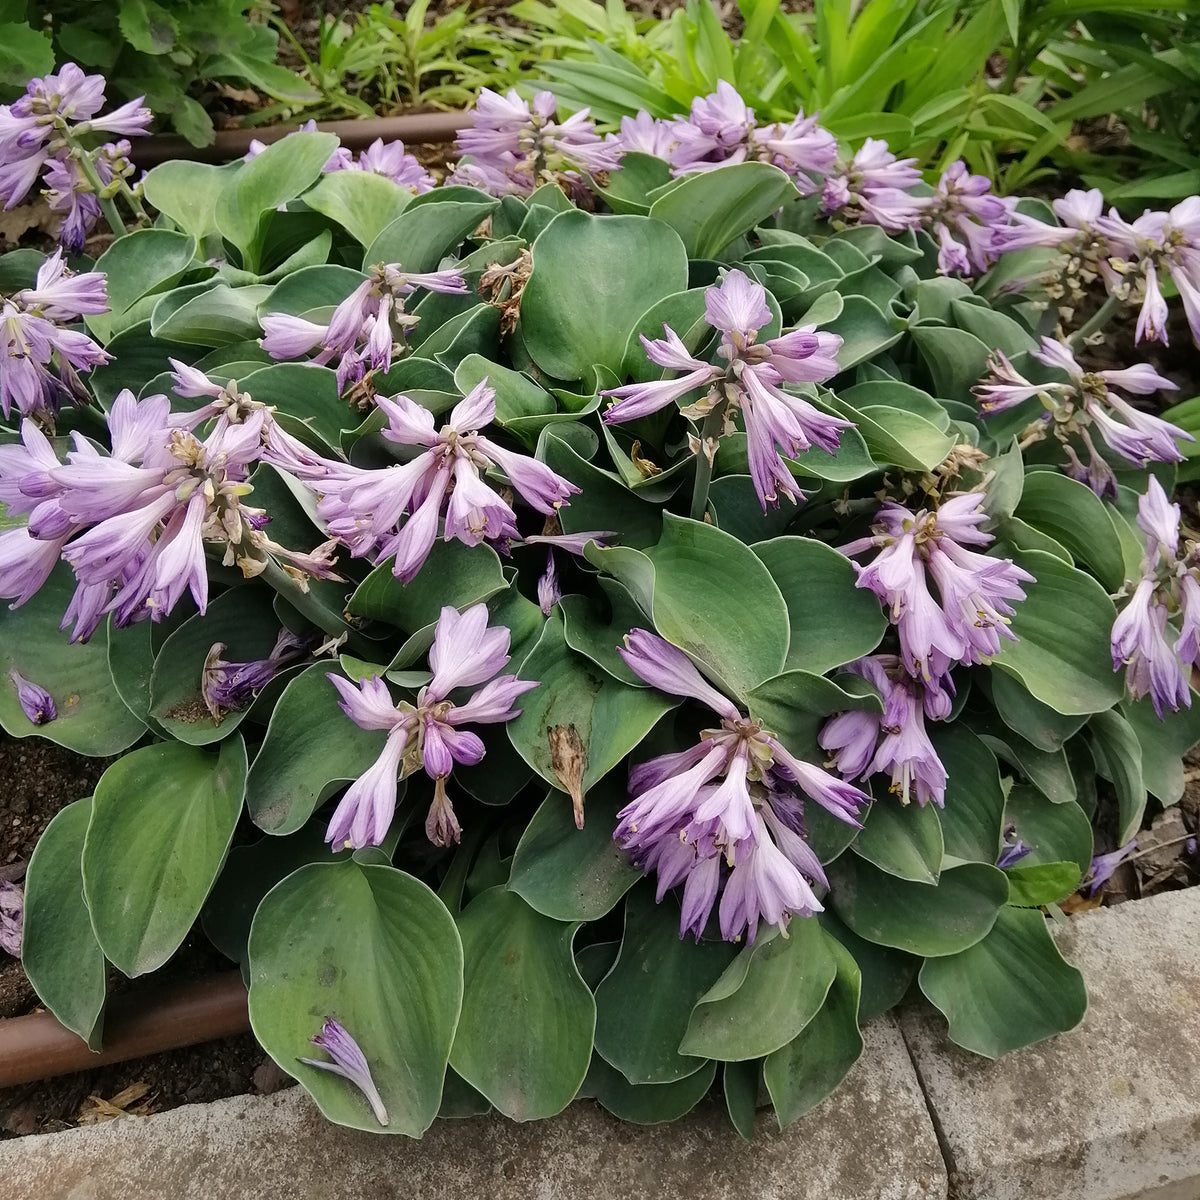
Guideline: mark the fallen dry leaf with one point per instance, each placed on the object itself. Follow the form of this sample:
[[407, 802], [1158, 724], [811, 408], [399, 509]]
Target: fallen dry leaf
[[129, 1101]]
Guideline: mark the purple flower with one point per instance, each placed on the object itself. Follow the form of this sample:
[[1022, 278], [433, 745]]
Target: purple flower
[[365, 329], [1080, 214], [41, 358], [1103, 866], [70, 194], [1162, 243], [643, 134], [12, 917], [738, 796], [965, 218], [465, 654], [36, 703], [364, 508], [1014, 849], [965, 623], [134, 523], [872, 187], [777, 423], [1139, 437], [349, 1062], [230, 687], [390, 160], [54, 112], [721, 130], [895, 742], [513, 145], [1139, 642]]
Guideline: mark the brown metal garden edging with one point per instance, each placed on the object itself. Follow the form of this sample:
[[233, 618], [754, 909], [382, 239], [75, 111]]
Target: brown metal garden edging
[[37, 1047], [355, 135]]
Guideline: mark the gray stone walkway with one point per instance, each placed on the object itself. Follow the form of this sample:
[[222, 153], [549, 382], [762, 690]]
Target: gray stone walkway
[[1109, 1111]]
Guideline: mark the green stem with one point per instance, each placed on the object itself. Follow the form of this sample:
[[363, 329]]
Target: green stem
[[1103, 315], [305, 603], [108, 206], [711, 429]]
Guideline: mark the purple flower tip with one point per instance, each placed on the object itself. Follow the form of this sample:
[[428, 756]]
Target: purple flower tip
[[36, 703], [349, 1062]]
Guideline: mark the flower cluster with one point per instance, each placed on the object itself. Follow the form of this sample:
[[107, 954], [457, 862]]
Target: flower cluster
[[1088, 402], [388, 159], [429, 734], [514, 145], [1157, 659], [45, 132], [721, 129], [778, 424], [41, 358], [962, 624], [366, 330], [894, 742], [727, 815], [1132, 258], [442, 483], [133, 524]]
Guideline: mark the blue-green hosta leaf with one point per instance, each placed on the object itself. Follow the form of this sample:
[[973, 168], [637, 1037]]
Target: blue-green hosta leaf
[[832, 621], [710, 209], [766, 996], [811, 1066], [609, 717], [685, 584], [1062, 628], [59, 951], [1011, 989], [361, 202], [376, 949], [924, 920], [525, 1035], [592, 278], [161, 823], [644, 1003]]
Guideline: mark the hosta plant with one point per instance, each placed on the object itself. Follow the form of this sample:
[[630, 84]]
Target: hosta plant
[[595, 626]]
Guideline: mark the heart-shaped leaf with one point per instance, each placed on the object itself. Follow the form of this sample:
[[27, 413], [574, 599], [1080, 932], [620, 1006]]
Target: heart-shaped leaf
[[375, 949]]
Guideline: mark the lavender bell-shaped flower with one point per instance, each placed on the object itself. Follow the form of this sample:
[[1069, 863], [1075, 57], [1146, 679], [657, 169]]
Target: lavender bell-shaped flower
[[348, 1062], [1157, 663], [1162, 244], [893, 742], [872, 187], [965, 622], [1103, 866], [364, 508], [513, 145], [33, 127], [964, 217], [36, 703], [778, 424], [728, 811], [465, 654], [12, 917], [366, 330], [231, 686], [41, 358]]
